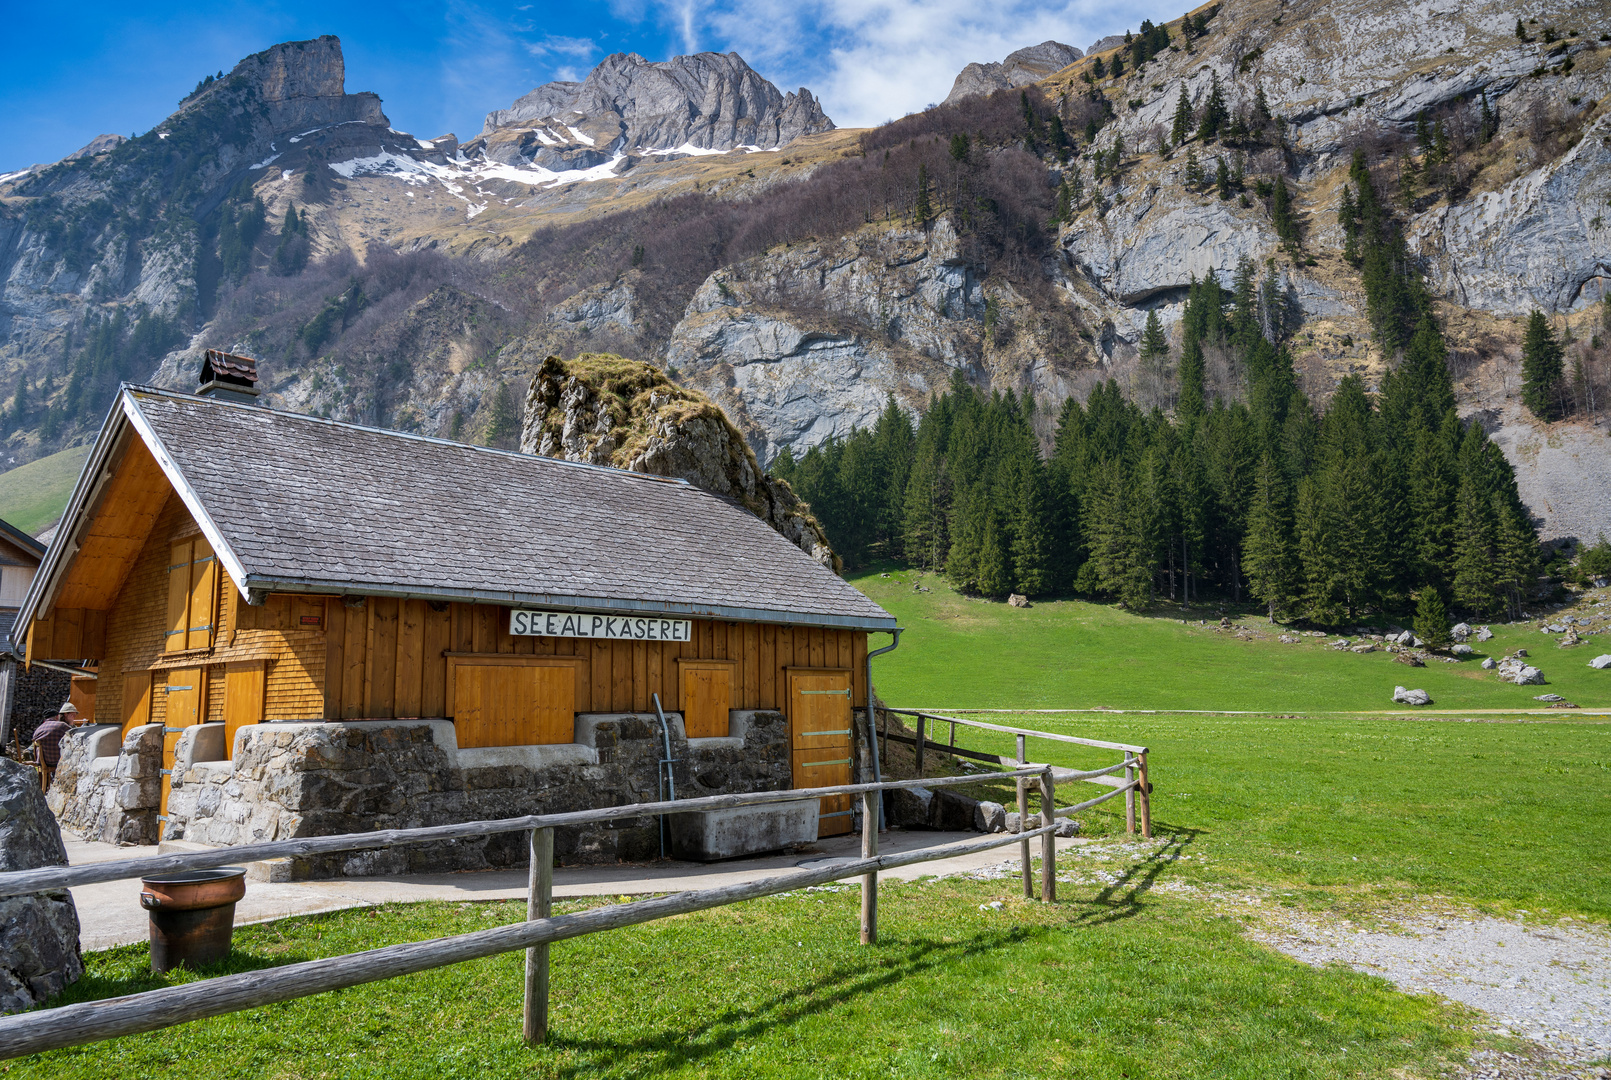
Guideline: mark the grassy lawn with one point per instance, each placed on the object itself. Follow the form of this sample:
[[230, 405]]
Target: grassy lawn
[[34, 495], [959, 652], [1509, 814], [1109, 986]]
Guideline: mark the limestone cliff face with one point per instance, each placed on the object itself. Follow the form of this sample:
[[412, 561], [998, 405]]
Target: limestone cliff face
[[606, 410], [1019, 69], [707, 101]]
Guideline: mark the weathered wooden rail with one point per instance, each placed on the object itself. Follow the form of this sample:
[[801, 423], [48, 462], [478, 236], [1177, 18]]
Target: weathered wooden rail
[[1134, 786], [72, 1025]]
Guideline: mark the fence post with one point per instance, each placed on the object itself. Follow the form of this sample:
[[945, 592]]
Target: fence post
[[921, 719], [1130, 793], [1048, 842], [1146, 800], [1023, 826], [539, 905], [869, 882]]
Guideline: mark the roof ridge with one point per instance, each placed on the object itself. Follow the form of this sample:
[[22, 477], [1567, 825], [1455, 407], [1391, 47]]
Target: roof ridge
[[179, 395]]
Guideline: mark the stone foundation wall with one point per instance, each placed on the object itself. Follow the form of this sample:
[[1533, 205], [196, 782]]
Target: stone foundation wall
[[107, 787], [320, 778]]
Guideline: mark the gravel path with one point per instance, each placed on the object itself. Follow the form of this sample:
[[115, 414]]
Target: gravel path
[[1550, 984]]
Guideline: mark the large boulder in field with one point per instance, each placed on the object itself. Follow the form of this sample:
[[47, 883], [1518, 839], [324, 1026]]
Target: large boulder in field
[[39, 954], [1601, 663], [1411, 697], [1513, 670]]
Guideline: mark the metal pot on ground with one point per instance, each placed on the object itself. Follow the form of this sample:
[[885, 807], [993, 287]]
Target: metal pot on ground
[[192, 915]]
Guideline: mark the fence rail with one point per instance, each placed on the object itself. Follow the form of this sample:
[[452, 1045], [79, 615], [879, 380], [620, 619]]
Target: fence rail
[[72, 1025], [1134, 764]]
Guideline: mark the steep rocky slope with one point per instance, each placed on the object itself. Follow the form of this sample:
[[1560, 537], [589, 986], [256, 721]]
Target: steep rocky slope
[[605, 410]]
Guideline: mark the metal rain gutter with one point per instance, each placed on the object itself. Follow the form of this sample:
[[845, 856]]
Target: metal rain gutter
[[872, 731]]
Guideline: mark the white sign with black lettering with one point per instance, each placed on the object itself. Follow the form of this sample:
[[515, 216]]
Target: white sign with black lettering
[[604, 627]]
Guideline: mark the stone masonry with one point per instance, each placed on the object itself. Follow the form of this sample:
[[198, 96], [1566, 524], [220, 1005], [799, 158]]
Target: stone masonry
[[320, 778], [108, 788]]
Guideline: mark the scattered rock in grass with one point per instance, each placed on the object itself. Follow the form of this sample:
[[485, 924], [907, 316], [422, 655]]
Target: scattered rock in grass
[[1512, 670], [1067, 827], [1560, 705], [1462, 650], [1460, 631], [1549, 697], [1363, 647], [1570, 640], [989, 817], [1489, 663], [1409, 658], [1010, 823], [1521, 652], [1411, 697], [1018, 600], [1601, 663], [1485, 634], [1288, 640]]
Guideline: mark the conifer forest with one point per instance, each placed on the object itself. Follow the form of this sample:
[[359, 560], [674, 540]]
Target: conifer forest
[[1372, 503]]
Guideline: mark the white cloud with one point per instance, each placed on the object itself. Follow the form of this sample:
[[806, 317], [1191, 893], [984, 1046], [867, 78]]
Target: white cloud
[[870, 60], [551, 44]]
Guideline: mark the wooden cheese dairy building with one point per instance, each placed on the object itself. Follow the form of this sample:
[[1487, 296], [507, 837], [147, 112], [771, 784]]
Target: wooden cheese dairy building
[[304, 627]]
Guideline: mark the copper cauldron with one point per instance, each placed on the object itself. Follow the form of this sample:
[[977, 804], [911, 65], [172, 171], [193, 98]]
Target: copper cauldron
[[192, 915]]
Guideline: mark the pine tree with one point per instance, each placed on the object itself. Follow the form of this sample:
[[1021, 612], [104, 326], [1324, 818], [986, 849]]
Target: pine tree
[[1214, 111], [1517, 550], [1261, 106], [1348, 218], [1194, 169], [1475, 571], [1489, 125], [1182, 127], [1099, 69], [1154, 345], [1222, 178], [503, 421], [1076, 190], [995, 569], [1286, 225], [1431, 619], [1542, 366], [1269, 556], [923, 210]]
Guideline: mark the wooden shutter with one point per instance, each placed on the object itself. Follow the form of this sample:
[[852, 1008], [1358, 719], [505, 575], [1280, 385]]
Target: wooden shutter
[[244, 683], [178, 597], [203, 595], [707, 694], [136, 700], [513, 705]]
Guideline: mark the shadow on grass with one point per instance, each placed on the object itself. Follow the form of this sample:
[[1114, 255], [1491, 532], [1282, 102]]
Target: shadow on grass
[[677, 1048], [1125, 897]]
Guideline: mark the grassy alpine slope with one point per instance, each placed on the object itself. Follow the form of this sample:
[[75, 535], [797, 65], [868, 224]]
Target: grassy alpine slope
[[963, 653], [34, 495]]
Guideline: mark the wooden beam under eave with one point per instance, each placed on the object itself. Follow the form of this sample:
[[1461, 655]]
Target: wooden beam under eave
[[117, 530]]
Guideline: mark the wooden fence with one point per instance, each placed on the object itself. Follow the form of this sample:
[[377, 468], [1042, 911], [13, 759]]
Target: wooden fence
[[72, 1025], [1134, 786]]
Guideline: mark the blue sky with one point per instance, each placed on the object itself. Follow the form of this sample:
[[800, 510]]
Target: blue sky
[[71, 72]]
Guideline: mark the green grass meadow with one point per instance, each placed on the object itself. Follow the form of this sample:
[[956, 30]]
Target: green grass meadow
[[1325, 799], [964, 653], [34, 495]]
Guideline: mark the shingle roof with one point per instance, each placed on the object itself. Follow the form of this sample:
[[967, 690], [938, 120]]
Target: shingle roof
[[310, 504]]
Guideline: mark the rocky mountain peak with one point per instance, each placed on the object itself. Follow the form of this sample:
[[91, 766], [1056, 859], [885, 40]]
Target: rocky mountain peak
[[706, 101], [1021, 68], [297, 81]]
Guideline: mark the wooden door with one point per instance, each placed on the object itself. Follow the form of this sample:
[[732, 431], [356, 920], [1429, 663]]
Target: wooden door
[[819, 741], [136, 700], [184, 697], [513, 705], [244, 682]]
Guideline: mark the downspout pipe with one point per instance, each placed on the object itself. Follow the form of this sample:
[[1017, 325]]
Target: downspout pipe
[[872, 729], [666, 762]]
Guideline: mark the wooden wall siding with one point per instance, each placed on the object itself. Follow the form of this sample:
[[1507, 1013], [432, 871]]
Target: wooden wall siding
[[389, 656], [136, 699], [135, 633]]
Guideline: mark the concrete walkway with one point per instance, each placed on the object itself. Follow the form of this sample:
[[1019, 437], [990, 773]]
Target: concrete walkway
[[109, 913]]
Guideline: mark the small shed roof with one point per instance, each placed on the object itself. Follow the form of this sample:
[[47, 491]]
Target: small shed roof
[[295, 503]]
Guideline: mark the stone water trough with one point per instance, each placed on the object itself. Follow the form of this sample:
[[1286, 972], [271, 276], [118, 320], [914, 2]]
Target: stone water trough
[[710, 835]]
